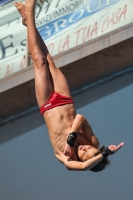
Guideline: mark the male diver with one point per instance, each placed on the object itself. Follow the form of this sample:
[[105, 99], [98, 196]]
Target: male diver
[[72, 138]]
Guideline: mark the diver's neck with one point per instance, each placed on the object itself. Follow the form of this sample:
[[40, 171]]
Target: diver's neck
[[75, 155]]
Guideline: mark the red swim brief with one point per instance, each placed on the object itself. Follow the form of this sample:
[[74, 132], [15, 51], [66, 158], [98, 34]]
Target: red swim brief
[[54, 101]]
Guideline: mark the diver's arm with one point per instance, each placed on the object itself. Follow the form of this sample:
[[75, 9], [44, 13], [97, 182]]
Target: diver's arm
[[80, 123], [76, 126], [87, 138], [75, 165], [86, 165]]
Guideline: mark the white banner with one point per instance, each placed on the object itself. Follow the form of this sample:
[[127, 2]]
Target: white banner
[[63, 24]]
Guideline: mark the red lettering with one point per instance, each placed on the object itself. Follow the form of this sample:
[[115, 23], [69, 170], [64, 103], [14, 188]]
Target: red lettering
[[117, 14], [86, 34], [66, 43], [61, 47], [104, 27], [124, 11], [94, 30], [78, 34], [111, 21], [115, 18]]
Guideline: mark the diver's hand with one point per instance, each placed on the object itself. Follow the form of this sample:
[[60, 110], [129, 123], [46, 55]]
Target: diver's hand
[[68, 151], [114, 148]]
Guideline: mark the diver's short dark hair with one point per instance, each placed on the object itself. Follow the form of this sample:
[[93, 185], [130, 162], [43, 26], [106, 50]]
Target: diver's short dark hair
[[102, 164]]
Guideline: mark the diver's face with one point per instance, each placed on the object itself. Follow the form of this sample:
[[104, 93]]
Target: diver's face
[[86, 152]]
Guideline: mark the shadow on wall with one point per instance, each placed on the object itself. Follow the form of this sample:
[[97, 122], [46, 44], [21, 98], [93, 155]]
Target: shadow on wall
[[33, 119]]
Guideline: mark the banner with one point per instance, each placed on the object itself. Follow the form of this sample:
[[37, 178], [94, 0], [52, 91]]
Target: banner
[[2, 2], [63, 25]]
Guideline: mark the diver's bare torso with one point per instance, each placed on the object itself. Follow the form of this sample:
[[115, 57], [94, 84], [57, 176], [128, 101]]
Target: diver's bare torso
[[59, 122]]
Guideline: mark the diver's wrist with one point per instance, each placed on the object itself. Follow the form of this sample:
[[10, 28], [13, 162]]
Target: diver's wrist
[[71, 139]]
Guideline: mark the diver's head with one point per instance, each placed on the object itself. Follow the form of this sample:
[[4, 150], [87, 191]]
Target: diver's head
[[86, 152]]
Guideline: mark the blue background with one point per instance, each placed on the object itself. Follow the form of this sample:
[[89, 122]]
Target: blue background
[[30, 171]]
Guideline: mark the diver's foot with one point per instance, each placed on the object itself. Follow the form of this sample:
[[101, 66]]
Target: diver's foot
[[29, 7], [21, 9]]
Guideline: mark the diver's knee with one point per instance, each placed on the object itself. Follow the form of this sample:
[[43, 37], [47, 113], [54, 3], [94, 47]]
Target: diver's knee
[[39, 60]]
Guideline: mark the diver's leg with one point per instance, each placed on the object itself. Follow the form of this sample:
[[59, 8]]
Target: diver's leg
[[21, 9], [43, 84], [59, 82], [58, 79]]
